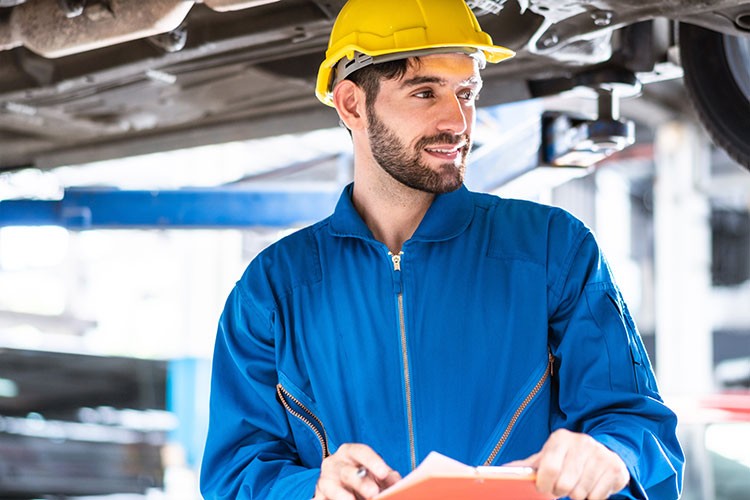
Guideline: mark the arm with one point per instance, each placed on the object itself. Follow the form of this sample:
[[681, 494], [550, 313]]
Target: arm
[[249, 452], [605, 384]]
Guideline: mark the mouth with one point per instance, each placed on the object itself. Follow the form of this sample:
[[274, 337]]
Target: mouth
[[448, 152]]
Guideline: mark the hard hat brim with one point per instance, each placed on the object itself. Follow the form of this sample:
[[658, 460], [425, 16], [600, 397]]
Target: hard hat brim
[[324, 92]]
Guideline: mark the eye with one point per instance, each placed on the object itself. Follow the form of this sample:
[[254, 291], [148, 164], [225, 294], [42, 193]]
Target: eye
[[424, 94], [468, 95]]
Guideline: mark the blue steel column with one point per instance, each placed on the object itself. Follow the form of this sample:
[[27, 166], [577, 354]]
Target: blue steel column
[[188, 382]]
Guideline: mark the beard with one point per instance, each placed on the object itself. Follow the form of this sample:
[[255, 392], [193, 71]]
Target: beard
[[406, 166]]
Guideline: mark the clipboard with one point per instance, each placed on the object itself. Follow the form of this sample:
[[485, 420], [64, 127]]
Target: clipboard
[[441, 478]]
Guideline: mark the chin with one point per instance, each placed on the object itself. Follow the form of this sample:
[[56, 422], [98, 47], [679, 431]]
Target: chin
[[450, 185]]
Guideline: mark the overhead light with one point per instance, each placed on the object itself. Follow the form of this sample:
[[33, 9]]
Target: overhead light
[[8, 388]]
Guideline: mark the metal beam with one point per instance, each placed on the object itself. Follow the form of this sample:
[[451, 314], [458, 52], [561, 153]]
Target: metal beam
[[95, 208], [241, 130], [510, 137]]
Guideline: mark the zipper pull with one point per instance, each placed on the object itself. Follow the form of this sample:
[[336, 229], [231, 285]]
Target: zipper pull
[[396, 267], [551, 362], [396, 260]]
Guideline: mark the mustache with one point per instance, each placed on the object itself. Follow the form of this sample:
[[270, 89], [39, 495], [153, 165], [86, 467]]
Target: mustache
[[442, 138]]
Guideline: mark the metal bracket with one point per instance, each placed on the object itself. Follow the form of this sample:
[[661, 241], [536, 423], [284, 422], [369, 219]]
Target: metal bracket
[[171, 41], [576, 141]]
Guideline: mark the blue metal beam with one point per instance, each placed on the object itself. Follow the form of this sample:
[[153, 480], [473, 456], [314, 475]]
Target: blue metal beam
[[96, 208], [515, 137], [28, 212]]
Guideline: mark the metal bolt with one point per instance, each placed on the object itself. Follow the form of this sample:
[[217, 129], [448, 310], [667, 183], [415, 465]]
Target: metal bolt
[[550, 40], [602, 17], [172, 41], [71, 8]]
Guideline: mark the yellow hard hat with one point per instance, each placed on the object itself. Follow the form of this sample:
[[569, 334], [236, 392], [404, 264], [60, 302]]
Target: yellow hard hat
[[372, 31]]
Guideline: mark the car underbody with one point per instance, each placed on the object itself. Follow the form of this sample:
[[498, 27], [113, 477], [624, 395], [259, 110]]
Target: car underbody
[[90, 80]]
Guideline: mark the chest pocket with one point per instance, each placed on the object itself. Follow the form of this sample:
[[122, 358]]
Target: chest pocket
[[630, 367]]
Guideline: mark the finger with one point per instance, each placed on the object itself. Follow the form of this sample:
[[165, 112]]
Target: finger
[[366, 456], [550, 465], [589, 475], [615, 474], [581, 469], [331, 467], [331, 489], [619, 472], [365, 486], [390, 479], [531, 461], [602, 467], [569, 478], [602, 488]]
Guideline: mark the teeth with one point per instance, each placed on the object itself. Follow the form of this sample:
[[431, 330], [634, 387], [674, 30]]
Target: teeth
[[446, 151]]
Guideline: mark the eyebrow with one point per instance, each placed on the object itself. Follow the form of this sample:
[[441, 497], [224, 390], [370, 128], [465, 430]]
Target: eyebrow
[[419, 80]]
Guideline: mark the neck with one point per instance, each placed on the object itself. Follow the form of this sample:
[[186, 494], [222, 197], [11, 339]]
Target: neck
[[391, 210]]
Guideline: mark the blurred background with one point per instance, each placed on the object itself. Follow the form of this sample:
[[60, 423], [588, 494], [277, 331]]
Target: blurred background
[[119, 247]]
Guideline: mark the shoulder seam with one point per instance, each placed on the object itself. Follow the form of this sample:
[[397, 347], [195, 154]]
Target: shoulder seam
[[245, 298], [315, 257], [563, 278]]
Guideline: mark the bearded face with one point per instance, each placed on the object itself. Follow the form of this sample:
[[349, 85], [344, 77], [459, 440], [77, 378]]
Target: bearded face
[[407, 163]]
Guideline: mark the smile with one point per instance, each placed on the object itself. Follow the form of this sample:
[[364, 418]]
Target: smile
[[446, 151], [449, 150], [450, 153]]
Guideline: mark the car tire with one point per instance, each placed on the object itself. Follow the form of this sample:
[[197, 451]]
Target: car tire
[[717, 76]]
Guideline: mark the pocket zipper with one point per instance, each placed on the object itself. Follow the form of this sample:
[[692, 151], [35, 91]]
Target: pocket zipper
[[320, 433], [521, 408]]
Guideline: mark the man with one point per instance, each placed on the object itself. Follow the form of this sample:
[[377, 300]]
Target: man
[[423, 317]]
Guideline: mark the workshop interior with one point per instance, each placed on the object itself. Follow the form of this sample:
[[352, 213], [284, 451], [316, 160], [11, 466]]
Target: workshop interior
[[150, 149]]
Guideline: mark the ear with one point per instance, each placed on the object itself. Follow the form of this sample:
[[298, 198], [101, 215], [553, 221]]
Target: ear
[[349, 99]]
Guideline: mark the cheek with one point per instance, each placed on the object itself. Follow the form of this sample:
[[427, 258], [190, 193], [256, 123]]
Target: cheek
[[471, 119]]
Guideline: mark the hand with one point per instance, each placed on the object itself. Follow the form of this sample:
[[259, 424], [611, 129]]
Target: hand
[[577, 466], [339, 479]]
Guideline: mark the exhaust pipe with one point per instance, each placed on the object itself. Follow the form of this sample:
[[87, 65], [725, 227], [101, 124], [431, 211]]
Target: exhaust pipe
[[42, 27]]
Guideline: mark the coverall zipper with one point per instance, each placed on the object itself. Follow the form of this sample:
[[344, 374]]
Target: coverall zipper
[[529, 398], [396, 259], [290, 403]]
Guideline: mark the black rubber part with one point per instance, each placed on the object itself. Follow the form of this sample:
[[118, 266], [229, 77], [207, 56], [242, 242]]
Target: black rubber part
[[721, 106]]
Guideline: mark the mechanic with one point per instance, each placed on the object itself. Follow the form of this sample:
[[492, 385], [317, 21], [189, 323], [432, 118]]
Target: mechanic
[[421, 316]]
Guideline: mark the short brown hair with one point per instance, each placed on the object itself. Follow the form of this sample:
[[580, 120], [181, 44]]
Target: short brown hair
[[369, 77]]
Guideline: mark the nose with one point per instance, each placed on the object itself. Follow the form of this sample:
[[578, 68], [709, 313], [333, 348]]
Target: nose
[[454, 116]]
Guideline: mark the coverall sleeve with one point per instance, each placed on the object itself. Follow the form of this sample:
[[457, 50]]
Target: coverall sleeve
[[249, 451], [604, 381]]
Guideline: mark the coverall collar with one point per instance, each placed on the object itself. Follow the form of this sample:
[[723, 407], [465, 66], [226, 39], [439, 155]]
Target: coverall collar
[[448, 216]]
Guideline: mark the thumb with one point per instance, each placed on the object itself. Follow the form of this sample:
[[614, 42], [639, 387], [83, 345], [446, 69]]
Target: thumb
[[532, 461]]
